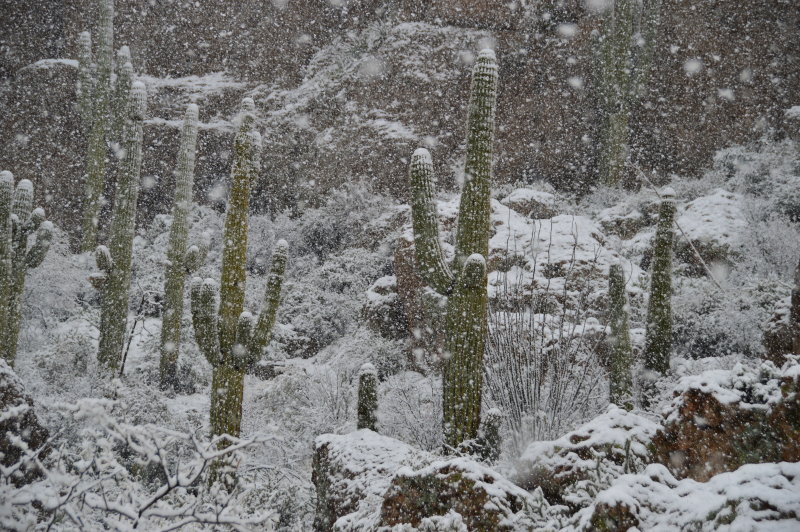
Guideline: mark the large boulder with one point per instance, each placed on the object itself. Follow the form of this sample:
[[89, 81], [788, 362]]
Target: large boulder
[[722, 419], [20, 430]]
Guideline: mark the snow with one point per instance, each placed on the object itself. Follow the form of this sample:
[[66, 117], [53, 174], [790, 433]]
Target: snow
[[715, 218]]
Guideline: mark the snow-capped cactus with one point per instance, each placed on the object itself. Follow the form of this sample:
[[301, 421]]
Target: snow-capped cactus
[[115, 260], [658, 341], [464, 283], [100, 123], [367, 397], [181, 258], [620, 379], [230, 338], [18, 221], [85, 82]]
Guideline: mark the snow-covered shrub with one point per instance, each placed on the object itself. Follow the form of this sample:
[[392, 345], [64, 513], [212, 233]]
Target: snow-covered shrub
[[410, 409]]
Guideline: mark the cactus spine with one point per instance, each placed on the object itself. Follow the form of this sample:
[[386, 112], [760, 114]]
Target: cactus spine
[[18, 221], [465, 283], [620, 379], [85, 87], [617, 91], [658, 340], [180, 260], [96, 163], [367, 397], [115, 260], [231, 339]]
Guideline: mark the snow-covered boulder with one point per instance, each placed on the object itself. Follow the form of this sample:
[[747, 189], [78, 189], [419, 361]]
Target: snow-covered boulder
[[535, 204], [383, 310], [613, 441], [482, 498], [722, 419], [754, 497], [352, 472], [20, 429]]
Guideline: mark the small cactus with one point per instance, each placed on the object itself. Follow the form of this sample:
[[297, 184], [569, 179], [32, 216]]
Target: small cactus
[[620, 379], [100, 123], [180, 259], [658, 340], [367, 397], [115, 260], [463, 282], [230, 338], [18, 221]]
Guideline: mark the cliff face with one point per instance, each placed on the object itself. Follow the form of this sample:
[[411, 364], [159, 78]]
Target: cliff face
[[347, 89]]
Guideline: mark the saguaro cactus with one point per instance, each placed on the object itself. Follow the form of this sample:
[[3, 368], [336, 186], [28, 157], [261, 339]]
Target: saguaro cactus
[[180, 260], [115, 260], [620, 379], [658, 341], [85, 84], [230, 338], [367, 397], [98, 150], [465, 282], [122, 90], [18, 221]]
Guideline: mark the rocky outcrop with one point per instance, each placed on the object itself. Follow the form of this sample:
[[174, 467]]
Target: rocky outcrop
[[19, 427], [721, 420]]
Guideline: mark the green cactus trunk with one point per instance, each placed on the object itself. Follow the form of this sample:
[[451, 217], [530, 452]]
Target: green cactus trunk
[[231, 339], [121, 98], [85, 84], [617, 91], [100, 122], [18, 221], [116, 259], [465, 284], [367, 398], [620, 376], [658, 341], [177, 258]]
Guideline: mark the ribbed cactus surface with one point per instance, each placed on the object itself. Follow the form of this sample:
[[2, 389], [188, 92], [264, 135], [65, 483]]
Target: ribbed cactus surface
[[230, 338], [463, 282], [181, 259], [85, 78], [620, 376], [367, 398], [115, 259], [18, 222]]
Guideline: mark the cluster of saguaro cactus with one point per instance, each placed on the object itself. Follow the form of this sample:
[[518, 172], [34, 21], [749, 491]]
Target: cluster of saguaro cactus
[[620, 376], [114, 261], [367, 397], [99, 125], [181, 258], [18, 221], [463, 282], [658, 341], [231, 339]]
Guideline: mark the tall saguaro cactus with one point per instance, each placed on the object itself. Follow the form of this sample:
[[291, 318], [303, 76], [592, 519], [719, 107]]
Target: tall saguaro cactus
[[122, 89], [464, 283], [181, 259], [100, 122], [115, 260], [620, 378], [658, 341], [230, 338], [18, 221], [85, 81]]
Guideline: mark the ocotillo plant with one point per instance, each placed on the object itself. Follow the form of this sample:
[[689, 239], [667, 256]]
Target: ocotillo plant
[[181, 259], [115, 260], [367, 397], [98, 150], [18, 220], [85, 85], [230, 338], [658, 340], [620, 379], [465, 282]]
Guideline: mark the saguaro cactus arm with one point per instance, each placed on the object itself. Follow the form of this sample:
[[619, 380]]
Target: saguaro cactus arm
[[39, 249], [85, 86], [272, 299], [425, 222], [204, 295]]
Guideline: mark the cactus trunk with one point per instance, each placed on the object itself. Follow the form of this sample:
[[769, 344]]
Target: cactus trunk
[[620, 379], [658, 342], [465, 281], [227, 391], [98, 150], [114, 308], [367, 398], [85, 85], [177, 267]]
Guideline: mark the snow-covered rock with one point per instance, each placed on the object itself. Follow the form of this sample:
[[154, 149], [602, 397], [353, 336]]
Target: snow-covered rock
[[535, 204]]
